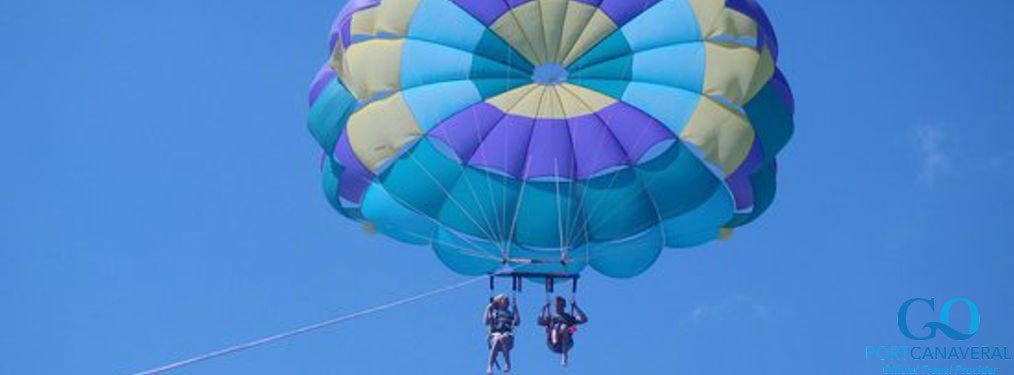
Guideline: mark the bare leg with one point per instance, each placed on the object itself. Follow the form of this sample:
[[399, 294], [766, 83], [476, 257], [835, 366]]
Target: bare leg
[[565, 345], [506, 349], [493, 353]]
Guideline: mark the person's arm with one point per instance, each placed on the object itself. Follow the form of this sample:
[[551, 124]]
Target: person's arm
[[582, 318], [517, 316], [544, 316], [486, 316]]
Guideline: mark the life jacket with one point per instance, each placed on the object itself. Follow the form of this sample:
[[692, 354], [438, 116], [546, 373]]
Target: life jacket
[[501, 321], [564, 319]]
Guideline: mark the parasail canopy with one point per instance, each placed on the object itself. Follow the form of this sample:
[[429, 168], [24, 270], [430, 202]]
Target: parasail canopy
[[597, 132]]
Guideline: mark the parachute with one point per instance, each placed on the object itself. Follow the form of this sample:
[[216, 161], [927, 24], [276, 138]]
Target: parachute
[[551, 135]]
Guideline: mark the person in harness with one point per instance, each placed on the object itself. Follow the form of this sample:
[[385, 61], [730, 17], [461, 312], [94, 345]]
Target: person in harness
[[501, 317], [561, 326]]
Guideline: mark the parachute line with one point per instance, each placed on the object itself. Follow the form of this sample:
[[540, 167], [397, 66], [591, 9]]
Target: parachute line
[[574, 223], [308, 328], [467, 251], [478, 249], [615, 205], [524, 181], [488, 230], [450, 198]]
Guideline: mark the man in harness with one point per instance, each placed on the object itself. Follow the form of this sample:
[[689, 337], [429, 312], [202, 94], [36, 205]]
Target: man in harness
[[501, 317], [561, 326]]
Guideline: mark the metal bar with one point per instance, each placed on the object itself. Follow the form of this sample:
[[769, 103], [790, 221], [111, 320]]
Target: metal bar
[[567, 276], [531, 261]]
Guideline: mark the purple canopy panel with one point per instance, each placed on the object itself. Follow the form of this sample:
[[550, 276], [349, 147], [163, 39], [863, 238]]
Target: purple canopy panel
[[486, 11], [739, 181], [622, 11], [550, 153], [595, 147], [516, 3], [464, 131], [779, 82], [323, 77], [765, 32], [356, 177], [636, 131], [505, 146], [343, 26]]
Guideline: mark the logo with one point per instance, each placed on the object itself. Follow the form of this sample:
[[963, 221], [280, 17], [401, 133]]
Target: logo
[[943, 324]]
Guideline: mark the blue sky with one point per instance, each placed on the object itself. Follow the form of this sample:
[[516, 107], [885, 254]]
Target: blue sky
[[161, 198]]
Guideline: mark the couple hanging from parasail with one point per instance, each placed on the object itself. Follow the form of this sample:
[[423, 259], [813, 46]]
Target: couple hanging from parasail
[[502, 316]]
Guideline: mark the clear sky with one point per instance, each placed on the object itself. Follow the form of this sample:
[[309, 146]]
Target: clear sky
[[160, 198]]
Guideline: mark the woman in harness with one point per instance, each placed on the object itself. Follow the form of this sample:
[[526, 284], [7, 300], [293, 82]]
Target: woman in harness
[[560, 327], [501, 317]]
